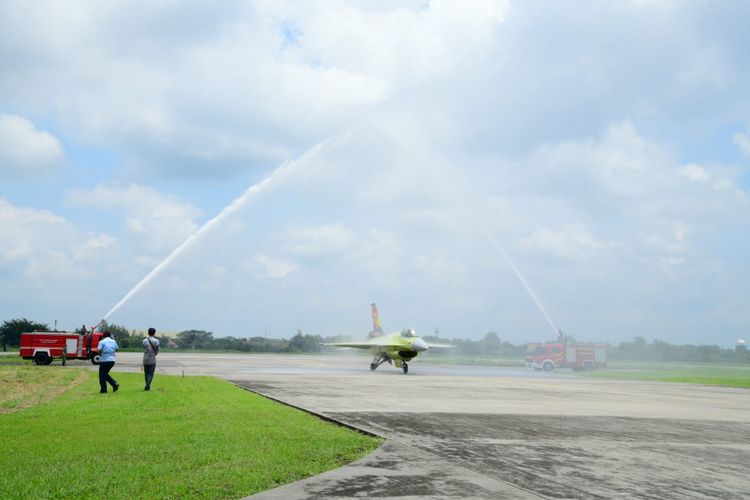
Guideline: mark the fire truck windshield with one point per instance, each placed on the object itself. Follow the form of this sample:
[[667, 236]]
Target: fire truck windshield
[[536, 349]]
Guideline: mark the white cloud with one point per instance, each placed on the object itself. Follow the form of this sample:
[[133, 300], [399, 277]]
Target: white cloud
[[274, 96], [671, 241], [160, 220], [402, 45], [705, 67], [742, 141], [572, 242], [443, 269], [673, 261], [719, 179], [381, 255], [26, 151], [681, 231], [37, 244], [694, 172], [325, 240], [271, 266], [623, 159]]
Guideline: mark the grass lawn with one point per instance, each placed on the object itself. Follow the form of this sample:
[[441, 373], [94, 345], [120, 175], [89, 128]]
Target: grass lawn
[[196, 437], [12, 359], [709, 374]]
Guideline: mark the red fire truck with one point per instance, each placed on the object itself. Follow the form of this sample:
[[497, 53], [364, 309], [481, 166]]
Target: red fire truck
[[43, 347], [575, 355]]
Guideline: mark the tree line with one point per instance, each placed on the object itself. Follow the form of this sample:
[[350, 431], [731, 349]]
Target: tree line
[[639, 349]]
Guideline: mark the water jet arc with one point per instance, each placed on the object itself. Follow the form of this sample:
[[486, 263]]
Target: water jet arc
[[274, 177]]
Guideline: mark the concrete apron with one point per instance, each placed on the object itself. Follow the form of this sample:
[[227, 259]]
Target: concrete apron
[[398, 470], [395, 469], [452, 447]]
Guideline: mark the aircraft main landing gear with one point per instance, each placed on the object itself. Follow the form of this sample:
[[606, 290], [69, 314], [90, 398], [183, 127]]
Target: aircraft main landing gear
[[405, 367], [378, 360]]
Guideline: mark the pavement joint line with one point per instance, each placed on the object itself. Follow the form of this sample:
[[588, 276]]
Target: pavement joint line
[[310, 412], [372, 434]]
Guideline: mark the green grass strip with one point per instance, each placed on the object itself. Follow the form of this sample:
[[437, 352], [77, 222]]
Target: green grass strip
[[196, 437], [727, 376], [25, 386]]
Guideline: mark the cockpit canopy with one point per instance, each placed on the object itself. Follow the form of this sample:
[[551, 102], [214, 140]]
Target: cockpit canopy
[[408, 333]]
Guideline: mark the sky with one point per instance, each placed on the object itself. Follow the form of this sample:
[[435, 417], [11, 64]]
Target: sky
[[508, 166]]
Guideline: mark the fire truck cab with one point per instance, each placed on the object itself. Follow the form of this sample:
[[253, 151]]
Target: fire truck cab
[[44, 347]]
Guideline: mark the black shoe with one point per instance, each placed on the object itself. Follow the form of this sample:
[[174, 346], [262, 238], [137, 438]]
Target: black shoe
[[102, 392], [116, 388], [147, 388]]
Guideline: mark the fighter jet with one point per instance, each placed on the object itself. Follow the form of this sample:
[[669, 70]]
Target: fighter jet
[[396, 348]]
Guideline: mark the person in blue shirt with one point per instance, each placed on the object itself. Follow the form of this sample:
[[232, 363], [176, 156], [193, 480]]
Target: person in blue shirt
[[107, 348]]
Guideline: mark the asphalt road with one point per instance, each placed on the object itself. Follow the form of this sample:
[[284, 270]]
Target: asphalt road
[[491, 432]]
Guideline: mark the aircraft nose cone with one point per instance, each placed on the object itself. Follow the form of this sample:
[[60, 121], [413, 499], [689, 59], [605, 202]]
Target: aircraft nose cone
[[419, 345]]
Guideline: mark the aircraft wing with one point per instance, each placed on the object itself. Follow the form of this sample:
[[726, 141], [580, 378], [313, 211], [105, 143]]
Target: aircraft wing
[[353, 345], [383, 341]]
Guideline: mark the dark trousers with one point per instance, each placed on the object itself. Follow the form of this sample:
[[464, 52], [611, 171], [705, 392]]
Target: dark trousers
[[148, 372], [104, 377]]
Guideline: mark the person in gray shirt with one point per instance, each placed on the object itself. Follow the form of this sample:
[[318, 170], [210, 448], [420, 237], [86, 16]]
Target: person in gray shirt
[[150, 350]]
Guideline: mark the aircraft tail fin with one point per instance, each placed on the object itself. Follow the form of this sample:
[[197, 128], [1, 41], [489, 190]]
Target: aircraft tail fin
[[377, 329]]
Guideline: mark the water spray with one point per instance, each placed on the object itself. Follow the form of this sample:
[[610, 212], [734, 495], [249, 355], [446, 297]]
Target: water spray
[[274, 177], [516, 271], [501, 250]]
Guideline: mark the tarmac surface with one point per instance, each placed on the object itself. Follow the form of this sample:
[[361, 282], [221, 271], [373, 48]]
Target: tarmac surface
[[490, 432]]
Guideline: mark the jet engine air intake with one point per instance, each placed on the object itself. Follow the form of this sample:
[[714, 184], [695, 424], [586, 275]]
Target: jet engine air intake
[[407, 354]]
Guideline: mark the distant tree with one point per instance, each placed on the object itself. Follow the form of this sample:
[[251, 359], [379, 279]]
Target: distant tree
[[263, 344], [741, 354], [195, 338], [120, 334], [639, 345], [305, 343], [491, 344], [11, 330]]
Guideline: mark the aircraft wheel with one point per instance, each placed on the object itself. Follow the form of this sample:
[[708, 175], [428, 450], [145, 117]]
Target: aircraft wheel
[[405, 367], [373, 366]]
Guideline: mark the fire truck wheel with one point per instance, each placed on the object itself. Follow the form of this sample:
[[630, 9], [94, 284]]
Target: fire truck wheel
[[96, 359], [548, 366], [42, 358]]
